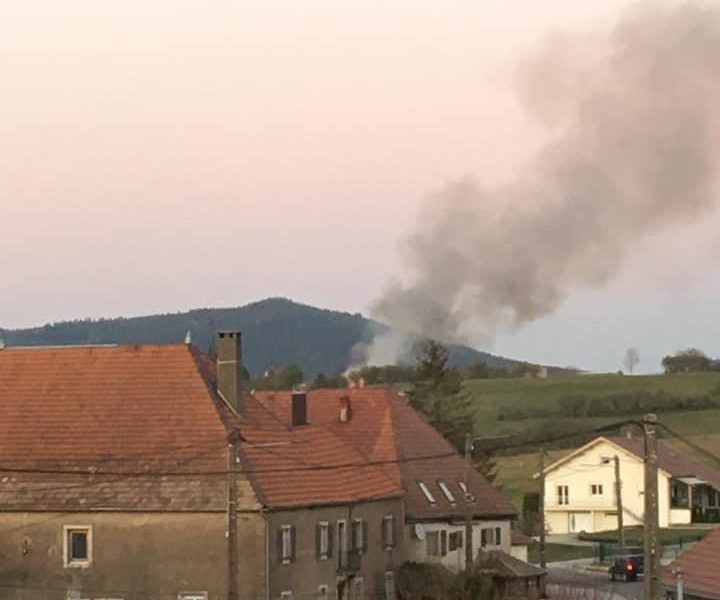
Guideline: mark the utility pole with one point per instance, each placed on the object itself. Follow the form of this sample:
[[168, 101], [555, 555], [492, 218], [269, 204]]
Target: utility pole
[[469, 556], [618, 501], [232, 528], [652, 550], [542, 508]]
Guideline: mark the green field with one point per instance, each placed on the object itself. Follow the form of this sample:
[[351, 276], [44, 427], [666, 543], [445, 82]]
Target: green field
[[516, 469]]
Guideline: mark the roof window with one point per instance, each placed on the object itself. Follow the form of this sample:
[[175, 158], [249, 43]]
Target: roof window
[[426, 491], [446, 490]]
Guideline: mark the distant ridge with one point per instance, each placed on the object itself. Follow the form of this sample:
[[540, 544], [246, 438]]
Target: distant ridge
[[276, 332]]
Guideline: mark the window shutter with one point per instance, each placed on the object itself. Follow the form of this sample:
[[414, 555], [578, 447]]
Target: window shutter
[[394, 532], [331, 539], [292, 543], [365, 543], [384, 532], [443, 543], [318, 533], [353, 536], [280, 545]]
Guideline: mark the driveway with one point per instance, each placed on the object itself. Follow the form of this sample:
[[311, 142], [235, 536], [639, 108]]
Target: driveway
[[571, 584]]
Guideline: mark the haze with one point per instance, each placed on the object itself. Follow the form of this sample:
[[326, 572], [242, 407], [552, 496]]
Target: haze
[[159, 156]]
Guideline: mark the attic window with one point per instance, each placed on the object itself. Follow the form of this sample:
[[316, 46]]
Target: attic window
[[428, 495], [446, 490], [463, 487]]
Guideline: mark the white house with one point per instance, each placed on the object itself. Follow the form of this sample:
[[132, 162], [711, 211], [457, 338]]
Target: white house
[[580, 488]]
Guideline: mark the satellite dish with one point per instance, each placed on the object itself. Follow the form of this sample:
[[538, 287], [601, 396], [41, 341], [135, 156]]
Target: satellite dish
[[419, 531]]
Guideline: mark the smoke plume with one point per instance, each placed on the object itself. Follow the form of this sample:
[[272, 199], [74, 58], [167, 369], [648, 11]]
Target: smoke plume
[[632, 149]]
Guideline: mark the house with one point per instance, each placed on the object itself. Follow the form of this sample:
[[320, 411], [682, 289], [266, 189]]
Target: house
[[580, 488], [381, 425], [143, 472], [698, 570]]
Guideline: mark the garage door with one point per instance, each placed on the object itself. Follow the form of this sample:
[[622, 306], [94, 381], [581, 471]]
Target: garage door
[[580, 521]]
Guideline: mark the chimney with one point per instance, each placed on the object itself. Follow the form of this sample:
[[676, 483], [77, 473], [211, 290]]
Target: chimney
[[345, 409], [229, 368], [299, 409]]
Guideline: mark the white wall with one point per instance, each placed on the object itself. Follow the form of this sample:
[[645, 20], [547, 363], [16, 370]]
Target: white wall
[[455, 560], [592, 468]]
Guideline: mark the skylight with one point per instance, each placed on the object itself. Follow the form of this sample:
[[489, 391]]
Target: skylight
[[426, 491], [463, 487], [446, 490]]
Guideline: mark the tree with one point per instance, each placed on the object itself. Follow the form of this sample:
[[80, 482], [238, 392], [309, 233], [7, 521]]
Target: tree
[[691, 360], [438, 394], [631, 360]]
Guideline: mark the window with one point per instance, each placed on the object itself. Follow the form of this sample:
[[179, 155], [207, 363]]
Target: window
[[323, 592], [487, 537], [455, 540], [563, 495], [77, 546], [287, 544], [446, 490], [389, 585], [342, 536], [463, 487], [432, 543], [359, 535], [388, 531], [498, 536], [443, 543], [596, 489], [323, 540], [357, 589], [192, 596], [426, 491]]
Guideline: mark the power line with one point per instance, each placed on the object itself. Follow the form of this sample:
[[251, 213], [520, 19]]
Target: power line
[[690, 443]]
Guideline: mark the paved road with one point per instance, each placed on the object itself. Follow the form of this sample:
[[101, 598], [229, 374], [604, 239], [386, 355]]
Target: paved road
[[573, 584]]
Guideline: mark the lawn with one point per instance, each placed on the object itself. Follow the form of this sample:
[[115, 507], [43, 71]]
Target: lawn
[[558, 552], [516, 468]]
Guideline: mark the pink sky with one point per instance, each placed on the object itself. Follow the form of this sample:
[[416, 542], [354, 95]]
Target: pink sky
[[162, 155]]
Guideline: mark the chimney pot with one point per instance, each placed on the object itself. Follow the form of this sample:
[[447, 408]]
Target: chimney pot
[[345, 409], [229, 368]]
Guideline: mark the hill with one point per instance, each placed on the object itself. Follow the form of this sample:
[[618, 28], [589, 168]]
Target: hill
[[276, 332]]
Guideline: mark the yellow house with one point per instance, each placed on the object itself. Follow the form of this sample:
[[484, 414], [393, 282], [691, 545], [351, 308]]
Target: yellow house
[[580, 488]]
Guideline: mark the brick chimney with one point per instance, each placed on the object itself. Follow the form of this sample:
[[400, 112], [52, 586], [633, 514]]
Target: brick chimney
[[229, 368], [299, 408]]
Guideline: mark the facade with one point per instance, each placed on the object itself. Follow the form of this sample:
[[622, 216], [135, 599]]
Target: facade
[[580, 488], [697, 569], [84, 513], [382, 427]]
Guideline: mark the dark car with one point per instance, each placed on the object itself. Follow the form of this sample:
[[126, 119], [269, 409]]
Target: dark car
[[627, 568]]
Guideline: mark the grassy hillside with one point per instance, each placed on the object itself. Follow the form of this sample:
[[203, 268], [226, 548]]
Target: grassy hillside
[[492, 396], [276, 332]]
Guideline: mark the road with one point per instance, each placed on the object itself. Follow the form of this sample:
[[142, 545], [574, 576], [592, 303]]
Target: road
[[590, 585]]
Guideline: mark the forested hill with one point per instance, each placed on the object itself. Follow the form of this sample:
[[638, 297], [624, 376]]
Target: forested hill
[[276, 332]]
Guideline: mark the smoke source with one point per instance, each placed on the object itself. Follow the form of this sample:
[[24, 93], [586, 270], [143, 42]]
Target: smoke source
[[633, 150]]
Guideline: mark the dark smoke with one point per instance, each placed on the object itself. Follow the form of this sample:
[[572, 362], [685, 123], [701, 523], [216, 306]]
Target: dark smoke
[[633, 151]]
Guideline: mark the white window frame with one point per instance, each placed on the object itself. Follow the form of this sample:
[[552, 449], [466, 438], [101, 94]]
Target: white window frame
[[68, 561], [597, 489], [563, 495], [446, 490], [286, 595], [389, 531], [324, 540], [192, 596], [497, 536], [426, 491], [323, 591], [286, 544]]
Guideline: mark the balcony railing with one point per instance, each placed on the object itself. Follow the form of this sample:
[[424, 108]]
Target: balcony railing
[[349, 561]]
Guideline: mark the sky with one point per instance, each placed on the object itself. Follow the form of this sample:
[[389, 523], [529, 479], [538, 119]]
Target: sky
[[161, 155]]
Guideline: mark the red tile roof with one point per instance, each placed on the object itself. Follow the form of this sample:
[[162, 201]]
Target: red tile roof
[[384, 428], [114, 409], [700, 566], [676, 464]]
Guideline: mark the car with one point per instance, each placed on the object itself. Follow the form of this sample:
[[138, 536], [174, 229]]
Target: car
[[627, 568]]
